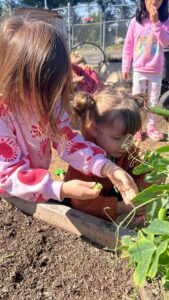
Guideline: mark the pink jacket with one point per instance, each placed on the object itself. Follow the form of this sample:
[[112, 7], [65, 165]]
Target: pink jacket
[[144, 45], [25, 155]]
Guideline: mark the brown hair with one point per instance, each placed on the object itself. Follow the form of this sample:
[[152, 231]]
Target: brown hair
[[106, 106], [77, 58], [35, 67]]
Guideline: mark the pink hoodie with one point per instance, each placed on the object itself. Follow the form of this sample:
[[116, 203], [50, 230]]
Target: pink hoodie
[[144, 45], [25, 155]]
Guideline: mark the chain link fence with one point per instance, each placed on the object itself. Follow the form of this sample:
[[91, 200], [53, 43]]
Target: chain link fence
[[104, 26], [98, 34]]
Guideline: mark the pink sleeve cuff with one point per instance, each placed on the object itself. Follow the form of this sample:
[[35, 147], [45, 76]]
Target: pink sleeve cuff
[[96, 165]]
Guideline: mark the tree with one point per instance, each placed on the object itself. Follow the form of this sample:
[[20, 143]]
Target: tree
[[52, 3], [61, 3]]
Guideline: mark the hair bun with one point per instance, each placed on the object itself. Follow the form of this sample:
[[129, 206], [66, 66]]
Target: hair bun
[[82, 103]]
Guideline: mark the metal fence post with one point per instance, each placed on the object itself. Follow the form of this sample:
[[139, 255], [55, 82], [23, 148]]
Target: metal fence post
[[101, 26], [104, 26], [72, 27], [69, 25], [45, 4]]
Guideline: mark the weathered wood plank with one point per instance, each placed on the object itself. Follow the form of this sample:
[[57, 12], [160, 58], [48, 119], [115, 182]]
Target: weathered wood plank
[[76, 222]]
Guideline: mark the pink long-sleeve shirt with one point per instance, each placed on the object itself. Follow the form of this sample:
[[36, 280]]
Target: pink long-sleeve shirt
[[25, 155], [144, 46]]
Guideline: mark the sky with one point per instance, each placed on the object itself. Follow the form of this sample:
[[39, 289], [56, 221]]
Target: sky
[[85, 11]]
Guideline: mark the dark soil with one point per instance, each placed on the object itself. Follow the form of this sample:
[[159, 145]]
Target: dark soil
[[38, 261]]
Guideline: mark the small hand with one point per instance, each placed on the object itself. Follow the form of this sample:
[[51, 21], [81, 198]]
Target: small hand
[[77, 79], [125, 76], [79, 189], [154, 14], [122, 180]]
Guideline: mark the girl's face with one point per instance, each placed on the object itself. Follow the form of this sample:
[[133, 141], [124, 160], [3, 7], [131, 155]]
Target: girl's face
[[150, 3], [112, 138]]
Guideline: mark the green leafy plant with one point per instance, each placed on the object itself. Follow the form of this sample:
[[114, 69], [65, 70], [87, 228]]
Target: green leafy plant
[[149, 249]]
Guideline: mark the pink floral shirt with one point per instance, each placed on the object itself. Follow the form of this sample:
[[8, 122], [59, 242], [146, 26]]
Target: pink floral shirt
[[25, 155], [144, 44]]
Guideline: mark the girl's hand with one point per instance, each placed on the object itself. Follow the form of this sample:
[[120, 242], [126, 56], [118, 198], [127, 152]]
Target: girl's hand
[[122, 180], [79, 189], [125, 76], [154, 14], [123, 208]]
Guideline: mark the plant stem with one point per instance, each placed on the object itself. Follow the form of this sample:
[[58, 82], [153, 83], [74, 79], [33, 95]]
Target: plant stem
[[132, 212]]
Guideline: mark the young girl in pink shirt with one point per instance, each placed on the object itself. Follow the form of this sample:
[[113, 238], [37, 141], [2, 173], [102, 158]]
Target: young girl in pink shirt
[[147, 36], [35, 89]]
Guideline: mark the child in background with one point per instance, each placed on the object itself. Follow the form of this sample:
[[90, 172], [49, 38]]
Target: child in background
[[84, 76], [35, 88], [147, 36], [110, 119]]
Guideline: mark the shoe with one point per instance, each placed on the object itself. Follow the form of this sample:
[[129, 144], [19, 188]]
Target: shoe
[[154, 134], [138, 136]]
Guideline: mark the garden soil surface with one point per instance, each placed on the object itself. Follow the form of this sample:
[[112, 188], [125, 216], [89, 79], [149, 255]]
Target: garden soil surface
[[38, 261]]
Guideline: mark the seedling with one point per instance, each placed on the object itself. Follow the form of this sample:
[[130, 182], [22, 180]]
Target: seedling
[[60, 173], [97, 186]]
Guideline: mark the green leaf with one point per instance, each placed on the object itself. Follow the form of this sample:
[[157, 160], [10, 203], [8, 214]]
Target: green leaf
[[165, 200], [142, 168], [149, 193], [163, 149], [160, 164], [154, 266], [140, 236], [154, 176], [154, 156], [164, 258], [142, 253], [152, 210], [126, 240], [147, 154], [162, 213], [165, 282], [167, 275], [142, 249], [166, 287], [158, 227], [159, 111]]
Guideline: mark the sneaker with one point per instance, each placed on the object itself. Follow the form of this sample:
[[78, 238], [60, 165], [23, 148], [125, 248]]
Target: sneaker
[[138, 136], [154, 134]]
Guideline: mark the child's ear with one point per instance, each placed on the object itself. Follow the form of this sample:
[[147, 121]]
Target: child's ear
[[92, 128]]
